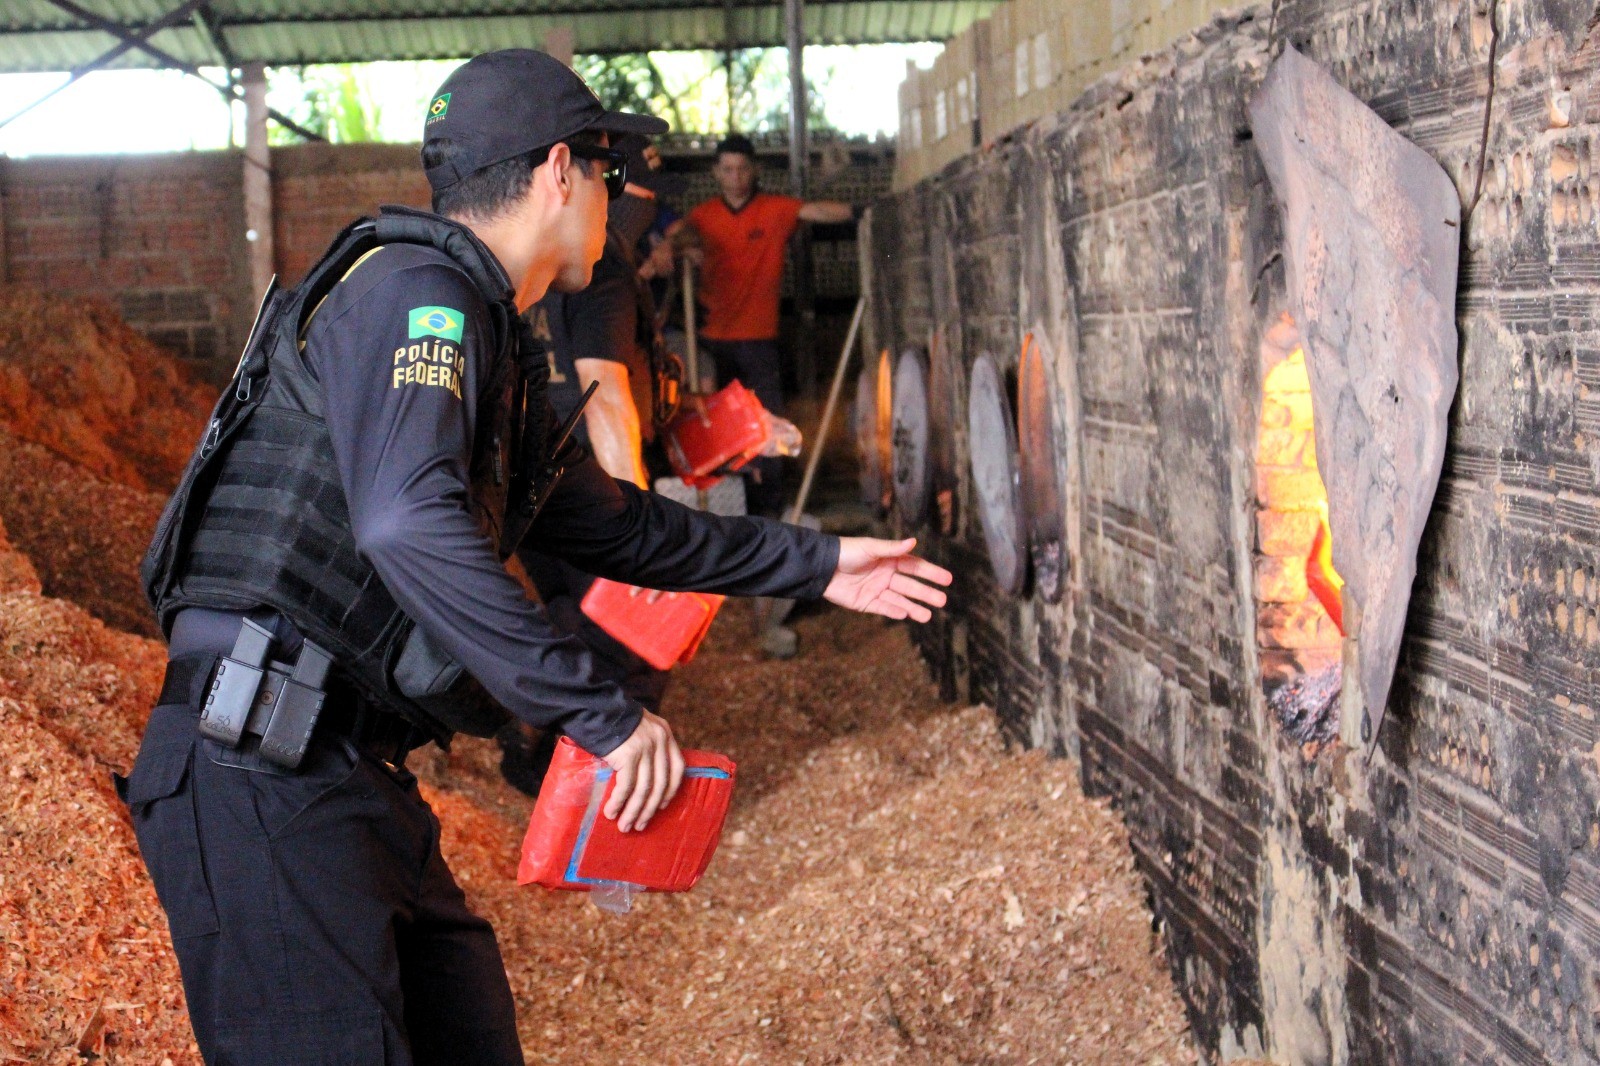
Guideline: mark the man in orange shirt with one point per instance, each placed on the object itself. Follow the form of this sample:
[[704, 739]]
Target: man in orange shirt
[[743, 234]]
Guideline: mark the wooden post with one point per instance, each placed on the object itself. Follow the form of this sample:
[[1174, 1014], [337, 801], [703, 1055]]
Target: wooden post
[[560, 43], [257, 179], [805, 346]]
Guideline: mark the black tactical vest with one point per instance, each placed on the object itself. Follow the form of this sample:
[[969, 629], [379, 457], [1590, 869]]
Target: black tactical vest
[[260, 519]]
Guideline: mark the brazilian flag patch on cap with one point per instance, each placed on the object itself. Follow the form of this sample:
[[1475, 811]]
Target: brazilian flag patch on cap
[[443, 322], [439, 108]]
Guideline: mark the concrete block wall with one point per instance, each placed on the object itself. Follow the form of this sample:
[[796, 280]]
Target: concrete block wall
[[318, 189], [162, 236], [1436, 900]]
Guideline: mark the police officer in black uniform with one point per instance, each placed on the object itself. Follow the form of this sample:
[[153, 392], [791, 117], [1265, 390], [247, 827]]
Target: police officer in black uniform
[[330, 576]]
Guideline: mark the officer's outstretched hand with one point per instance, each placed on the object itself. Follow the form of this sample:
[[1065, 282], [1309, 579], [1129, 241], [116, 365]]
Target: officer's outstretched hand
[[649, 768], [883, 577]]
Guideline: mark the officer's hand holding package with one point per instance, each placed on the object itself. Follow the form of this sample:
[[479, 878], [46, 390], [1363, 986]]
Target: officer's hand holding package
[[873, 576]]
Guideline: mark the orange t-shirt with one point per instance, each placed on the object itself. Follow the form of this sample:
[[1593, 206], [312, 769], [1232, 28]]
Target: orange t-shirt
[[743, 273]]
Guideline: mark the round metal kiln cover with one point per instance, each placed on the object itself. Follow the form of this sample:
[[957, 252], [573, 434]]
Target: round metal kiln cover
[[911, 436], [1043, 493], [994, 474]]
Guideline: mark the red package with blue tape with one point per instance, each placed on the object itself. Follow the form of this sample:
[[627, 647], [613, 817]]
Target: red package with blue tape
[[662, 628], [571, 844]]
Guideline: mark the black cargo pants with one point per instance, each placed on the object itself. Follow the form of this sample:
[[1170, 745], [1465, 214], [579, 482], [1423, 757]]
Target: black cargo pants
[[314, 919]]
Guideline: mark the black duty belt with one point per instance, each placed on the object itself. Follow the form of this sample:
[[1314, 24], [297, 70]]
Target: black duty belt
[[378, 732]]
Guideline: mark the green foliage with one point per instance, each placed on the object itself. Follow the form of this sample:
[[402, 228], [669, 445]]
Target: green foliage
[[691, 89], [761, 92], [331, 99], [362, 102], [623, 82]]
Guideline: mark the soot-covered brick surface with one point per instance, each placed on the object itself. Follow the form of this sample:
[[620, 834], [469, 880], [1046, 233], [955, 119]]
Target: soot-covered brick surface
[[1439, 902]]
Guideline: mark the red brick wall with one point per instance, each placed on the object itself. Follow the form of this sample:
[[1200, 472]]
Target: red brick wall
[[319, 188], [154, 234], [162, 236]]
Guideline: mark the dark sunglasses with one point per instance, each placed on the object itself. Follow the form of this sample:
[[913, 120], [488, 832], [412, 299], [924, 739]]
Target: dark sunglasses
[[614, 165]]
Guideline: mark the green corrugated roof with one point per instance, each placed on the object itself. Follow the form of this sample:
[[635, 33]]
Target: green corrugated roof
[[35, 35]]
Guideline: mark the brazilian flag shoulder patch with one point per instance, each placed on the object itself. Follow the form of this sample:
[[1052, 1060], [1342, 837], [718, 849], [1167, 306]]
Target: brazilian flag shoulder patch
[[442, 322], [438, 108]]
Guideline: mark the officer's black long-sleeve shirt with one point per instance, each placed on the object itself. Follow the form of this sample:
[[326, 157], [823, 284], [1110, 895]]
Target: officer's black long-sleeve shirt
[[403, 349]]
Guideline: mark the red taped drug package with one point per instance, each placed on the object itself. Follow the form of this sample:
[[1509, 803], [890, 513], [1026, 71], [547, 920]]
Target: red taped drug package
[[662, 628], [716, 433], [571, 844]]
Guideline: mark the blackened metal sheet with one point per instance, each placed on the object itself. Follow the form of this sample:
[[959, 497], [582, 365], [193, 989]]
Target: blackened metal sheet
[[995, 474], [1371, 230], [911, 436]]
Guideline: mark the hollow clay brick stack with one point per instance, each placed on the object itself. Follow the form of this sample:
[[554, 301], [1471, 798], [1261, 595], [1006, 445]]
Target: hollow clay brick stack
[[1029, 58]]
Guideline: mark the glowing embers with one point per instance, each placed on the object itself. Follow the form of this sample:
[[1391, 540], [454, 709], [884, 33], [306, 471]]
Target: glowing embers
[[874, 420], [1043, 488], [1298, 604]]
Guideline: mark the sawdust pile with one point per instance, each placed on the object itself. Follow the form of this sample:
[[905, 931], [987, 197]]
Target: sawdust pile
[[85, 962], [83, 534], [96, 423], [893, 885], [92, 417], [79, 381]]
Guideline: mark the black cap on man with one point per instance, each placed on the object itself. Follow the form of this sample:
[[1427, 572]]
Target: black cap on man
[[499, 105]]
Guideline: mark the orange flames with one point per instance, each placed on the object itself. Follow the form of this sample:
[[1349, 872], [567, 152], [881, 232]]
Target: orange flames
[[1325, 582], [1301, 592]]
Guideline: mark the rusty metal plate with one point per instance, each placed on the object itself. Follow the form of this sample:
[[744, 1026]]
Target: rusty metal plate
[[872, 422], [995, 476], [943, 404], [1043, 485], [910, 436]]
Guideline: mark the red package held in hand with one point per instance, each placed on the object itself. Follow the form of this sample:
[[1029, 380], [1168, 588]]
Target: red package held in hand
[[571, 844], [715, 434], [664, 631]]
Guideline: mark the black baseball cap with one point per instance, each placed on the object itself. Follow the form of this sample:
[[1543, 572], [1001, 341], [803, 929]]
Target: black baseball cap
[[501, 104]]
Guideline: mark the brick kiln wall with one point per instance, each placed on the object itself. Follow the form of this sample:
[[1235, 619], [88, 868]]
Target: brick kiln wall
[[1442, 902]]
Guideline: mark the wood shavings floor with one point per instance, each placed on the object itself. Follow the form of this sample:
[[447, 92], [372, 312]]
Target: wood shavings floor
[[893, 886]]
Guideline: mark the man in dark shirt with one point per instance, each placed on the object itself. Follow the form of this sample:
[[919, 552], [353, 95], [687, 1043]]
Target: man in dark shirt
[[311, 910]]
